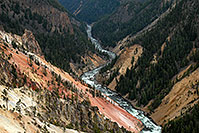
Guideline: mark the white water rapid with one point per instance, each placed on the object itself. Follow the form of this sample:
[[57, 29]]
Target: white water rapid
[[89, 78]]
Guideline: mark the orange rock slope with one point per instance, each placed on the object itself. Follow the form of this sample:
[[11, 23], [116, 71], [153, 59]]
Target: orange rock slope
[[36, 74]]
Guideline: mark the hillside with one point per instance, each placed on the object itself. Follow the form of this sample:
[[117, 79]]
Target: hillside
[[164, 79], [187, 123], [90, 10], [39, 97], [56, 78], [128, 19], [62, 38]]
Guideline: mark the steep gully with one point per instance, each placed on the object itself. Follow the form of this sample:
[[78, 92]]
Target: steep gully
[[89, 78]]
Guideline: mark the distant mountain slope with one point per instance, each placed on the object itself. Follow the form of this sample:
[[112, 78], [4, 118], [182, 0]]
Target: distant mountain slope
[[129, 18], [90, 10], [60, 36]]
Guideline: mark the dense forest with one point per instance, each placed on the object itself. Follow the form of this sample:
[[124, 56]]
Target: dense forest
[[131, 17], [189, 123], [60, 50], [60, 46], [147, 80], [90, 10]]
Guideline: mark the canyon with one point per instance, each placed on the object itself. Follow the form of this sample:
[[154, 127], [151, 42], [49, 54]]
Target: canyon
[[99, 66], [30, 63]]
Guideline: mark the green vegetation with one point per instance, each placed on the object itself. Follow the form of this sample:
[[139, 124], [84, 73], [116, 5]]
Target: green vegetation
[[60, 47], [147, 81], [81, 115], [189, 123], [91, 10], [56, 4], [60, 50], [112, 76], [108, 66], [71, 6], [131, 17]]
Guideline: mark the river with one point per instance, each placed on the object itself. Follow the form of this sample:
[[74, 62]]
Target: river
[[89, 78]]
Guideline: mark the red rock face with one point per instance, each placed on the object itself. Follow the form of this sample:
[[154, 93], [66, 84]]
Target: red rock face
[[117, 114], [114, 112]]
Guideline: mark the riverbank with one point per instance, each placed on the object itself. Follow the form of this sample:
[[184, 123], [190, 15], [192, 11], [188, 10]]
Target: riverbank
[[89, 78]]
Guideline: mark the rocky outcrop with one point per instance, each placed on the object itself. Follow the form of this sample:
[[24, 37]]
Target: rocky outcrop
[[26, 42], [30, 43]]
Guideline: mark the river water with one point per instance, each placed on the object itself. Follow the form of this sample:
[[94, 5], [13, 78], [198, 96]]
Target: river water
[[89, 78]]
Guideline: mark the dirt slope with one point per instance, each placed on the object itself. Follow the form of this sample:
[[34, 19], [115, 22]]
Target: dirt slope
[[182, 96], [124, 61]]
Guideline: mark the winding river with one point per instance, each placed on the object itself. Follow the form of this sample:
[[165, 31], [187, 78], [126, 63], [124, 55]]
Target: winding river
[[89, 78]]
